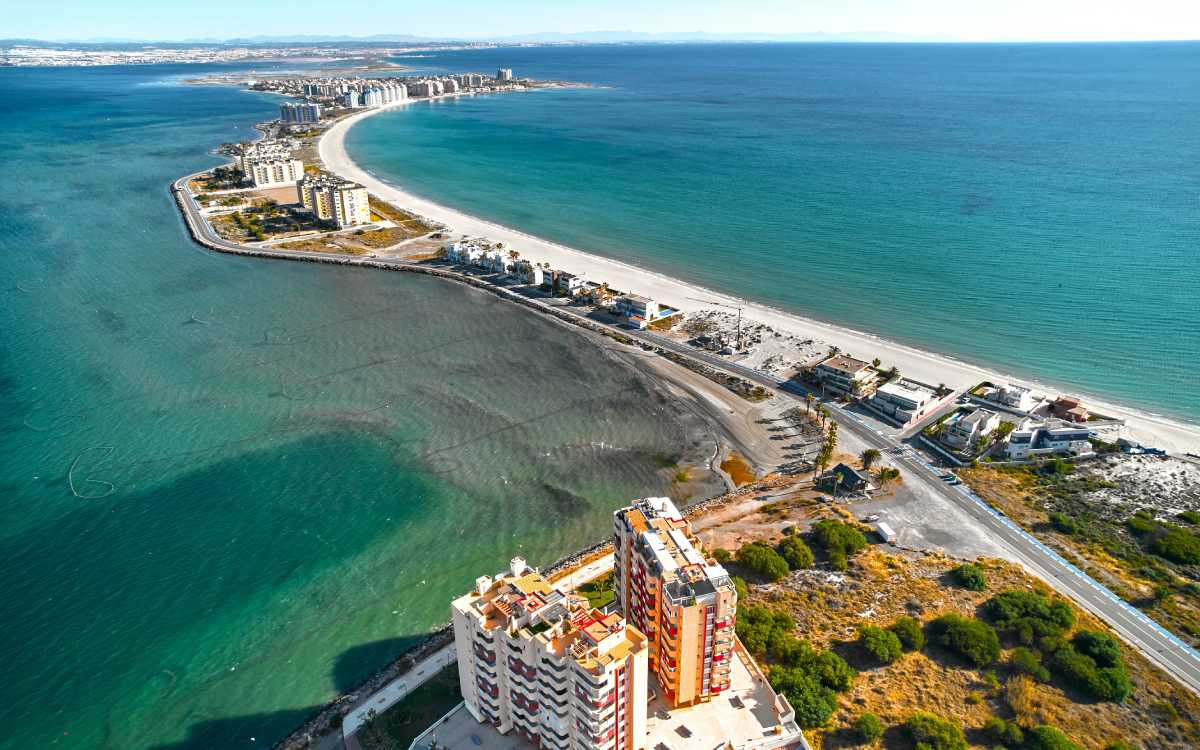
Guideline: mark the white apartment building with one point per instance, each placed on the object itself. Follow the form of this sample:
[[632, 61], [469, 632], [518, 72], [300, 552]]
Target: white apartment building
[[504, 74], [539, 661], [1013, 396], [1054, 436], [637, 310], [333, 199], [273, 172], [904, 400], [964, 429], [845, 374]]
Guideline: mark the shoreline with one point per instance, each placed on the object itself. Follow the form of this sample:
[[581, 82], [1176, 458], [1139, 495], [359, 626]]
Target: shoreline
[[1143, 426]]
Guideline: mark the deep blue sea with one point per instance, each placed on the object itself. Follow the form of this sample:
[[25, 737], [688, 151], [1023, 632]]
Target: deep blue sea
[[1035, 208]]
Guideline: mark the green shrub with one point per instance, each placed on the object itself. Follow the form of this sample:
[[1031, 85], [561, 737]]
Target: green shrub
[[882, 644], [722, 555], [1120, 745], [973, 640], [839, 540], [1177, 545], [1190, 516], [1048, 738], [1102, 647], [813, 703], [908, 630], [763, 561], [796, 553], [868, 727], [929, 732], [1081, 672], [1024, 661], [1027, 615], [1064, 523], [1001, 732], [970, 576], [758, 627], [1140, 524]]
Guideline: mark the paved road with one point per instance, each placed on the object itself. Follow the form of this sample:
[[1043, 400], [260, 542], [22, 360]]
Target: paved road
[[1169, 652]]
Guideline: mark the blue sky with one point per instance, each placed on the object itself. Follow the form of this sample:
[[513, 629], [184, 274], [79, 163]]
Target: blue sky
[[969, 20]]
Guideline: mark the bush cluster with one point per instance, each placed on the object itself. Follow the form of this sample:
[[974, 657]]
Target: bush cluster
[[908, 630], [809, 678], [1028, 615], [1091, 663], [973, 640], [882, 644], [1064, 523], [970, 576], [868, 727], [1025, 661], [839, 540], [796, 553], [929, 732], [763, 561]]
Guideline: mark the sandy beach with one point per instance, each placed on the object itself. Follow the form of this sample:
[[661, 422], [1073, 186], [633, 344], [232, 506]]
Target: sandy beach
[[924, 366]]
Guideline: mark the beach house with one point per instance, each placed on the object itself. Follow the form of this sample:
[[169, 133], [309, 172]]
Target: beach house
[[1069, 408], [964, 429], [843, 373], [1054, 436], [638, 311], [1013, 396], [905, 401]]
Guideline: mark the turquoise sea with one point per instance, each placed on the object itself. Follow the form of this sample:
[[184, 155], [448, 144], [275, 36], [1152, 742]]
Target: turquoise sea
[[230, 488], [1035, 208]]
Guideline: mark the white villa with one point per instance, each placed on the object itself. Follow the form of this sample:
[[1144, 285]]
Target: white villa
[[1054, 436], [904, 400], [964, 429]]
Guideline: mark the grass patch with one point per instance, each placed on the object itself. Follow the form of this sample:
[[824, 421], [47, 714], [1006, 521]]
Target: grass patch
[[599, 591], [404, 722]]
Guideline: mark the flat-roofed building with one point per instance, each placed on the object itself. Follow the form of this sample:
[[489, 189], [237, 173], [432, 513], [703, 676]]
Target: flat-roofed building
[[904, 400], [269, 163], [843, 373], [1070, 408], [504, 74], [540, 661], [291, 113], [333, 199], [685, 603], [965, 429], [637, 310], [1054, 436], [1013, 396]]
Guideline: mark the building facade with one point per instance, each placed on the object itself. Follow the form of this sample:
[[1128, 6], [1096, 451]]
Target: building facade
[[684, 603], [291, 113], [334, 199], [1051, 437], [842, 373], [964, 430], [540, 662], [504, 74], [904, 400]]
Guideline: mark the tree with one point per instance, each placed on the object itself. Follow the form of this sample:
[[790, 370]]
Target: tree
[[813, 703], [970, 576], [1081, 672], [1102, 647], [839, 540], [808, 402], [739, 586], [1003, 733], [973, 640], [1028, 615], [875, 363], [929, 732], [908, 630], [886, 475], [891, 374], [882, 644], [1004, 430], [869, 457], [1177, 545], [797, 554], [868, 727], [722, 555], [763, 560]]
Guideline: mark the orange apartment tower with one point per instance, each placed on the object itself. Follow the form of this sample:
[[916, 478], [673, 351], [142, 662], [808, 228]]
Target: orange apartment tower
[[684, 603]]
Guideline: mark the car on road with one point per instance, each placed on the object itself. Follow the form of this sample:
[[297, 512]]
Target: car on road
[[951, 478], [870, 519]]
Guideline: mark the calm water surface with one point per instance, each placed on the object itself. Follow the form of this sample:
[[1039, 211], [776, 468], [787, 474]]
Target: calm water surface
[[1031, 207]]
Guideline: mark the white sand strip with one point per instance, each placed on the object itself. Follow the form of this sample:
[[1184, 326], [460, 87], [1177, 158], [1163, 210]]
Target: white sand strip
[[1150, 429]]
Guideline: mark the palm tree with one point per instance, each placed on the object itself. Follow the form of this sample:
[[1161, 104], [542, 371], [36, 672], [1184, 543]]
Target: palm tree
[[875, 363], [869, 457], [834, 351], [808, 402], [831, 440]]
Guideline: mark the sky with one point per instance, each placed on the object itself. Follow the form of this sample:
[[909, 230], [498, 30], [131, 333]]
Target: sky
[[964, 20]]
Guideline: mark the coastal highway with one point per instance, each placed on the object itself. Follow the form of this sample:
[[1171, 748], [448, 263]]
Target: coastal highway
[[1164, 649], [1159, 646]]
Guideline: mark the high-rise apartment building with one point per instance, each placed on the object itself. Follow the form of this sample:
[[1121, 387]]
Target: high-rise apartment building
[[504, 74], [541, 661], [269, 164], [685, 603], [333, 199], [291, 113]]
